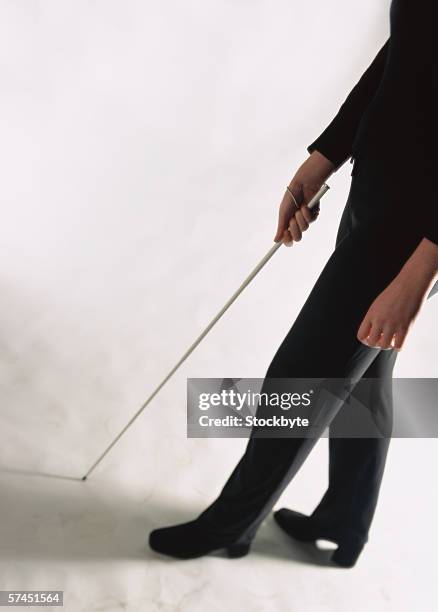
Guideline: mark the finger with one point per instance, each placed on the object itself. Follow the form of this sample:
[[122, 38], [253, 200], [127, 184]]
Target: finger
[[287, 238], [364, 329], [301, 220], [294, 230], [386, 338], [399, 338], [374, 335], [282, 225]]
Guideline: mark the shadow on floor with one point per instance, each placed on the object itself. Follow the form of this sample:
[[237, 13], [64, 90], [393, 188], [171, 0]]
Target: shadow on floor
[[271, 541], [57, 519]]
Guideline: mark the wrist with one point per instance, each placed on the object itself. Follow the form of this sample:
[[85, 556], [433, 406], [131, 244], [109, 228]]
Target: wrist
[[321, 161], [421, 269], [414, 283], [315, 169]]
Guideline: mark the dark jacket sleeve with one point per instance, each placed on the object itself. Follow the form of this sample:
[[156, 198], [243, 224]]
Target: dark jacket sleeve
[[414, 54], [336, 140]]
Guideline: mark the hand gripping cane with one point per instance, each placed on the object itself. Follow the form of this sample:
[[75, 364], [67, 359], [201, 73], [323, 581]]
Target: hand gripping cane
[[313, 202]]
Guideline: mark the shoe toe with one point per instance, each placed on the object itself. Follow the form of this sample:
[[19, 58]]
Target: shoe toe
[[156, 539], [176, 540], [286, 516]]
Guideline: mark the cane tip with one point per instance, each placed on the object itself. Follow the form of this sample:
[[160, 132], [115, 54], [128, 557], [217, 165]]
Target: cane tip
[[84, 478]]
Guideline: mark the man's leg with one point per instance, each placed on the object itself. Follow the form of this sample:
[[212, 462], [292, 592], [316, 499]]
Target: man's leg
[[356, 464], [322, 343]]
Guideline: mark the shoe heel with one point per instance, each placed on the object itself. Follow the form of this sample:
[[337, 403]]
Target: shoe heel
[[347, 554], [235, 551]]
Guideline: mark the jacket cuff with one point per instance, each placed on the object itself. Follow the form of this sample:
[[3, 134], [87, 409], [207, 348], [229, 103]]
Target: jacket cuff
[[331, 146]]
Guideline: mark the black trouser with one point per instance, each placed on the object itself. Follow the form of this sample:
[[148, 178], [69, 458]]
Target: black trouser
[[370, 250]]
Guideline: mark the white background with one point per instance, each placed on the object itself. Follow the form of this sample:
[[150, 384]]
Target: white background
[[145, 146]]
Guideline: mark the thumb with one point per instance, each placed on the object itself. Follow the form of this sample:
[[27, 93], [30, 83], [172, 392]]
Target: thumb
[[282, 225]]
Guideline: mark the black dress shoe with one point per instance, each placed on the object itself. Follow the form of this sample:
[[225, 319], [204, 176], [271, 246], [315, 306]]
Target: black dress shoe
[[192, 539], [307, 529]]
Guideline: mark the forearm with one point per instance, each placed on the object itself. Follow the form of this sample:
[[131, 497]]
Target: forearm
[[317, 168], [421, 269]]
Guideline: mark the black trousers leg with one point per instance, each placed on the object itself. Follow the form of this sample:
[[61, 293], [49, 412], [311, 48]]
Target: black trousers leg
[[356, 465]]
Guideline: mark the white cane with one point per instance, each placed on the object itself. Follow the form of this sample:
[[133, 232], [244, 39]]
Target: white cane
[[313, 202]]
